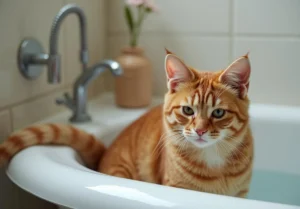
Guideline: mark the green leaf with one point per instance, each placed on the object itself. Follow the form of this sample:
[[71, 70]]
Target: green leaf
[[148, 9], [129, 19]]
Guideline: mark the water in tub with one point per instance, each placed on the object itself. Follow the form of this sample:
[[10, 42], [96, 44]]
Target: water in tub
[[275, 187]]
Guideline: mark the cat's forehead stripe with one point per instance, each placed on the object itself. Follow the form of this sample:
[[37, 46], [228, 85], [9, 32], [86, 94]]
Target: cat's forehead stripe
[[196, 99], [197, 85], [202, 96], [209, 101], [205, 94], [189, 100]]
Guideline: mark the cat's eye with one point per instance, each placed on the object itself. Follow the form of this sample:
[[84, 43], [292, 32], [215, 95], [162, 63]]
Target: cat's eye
[[218, 113], [187, 110]]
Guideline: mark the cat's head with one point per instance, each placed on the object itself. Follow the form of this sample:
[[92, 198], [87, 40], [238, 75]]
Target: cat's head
[[204, 108]]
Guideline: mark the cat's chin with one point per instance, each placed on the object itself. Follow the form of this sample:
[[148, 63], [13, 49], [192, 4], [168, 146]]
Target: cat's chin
[[202, 143]]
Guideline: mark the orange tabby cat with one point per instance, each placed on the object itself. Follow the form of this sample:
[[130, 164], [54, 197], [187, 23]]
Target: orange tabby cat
[[199, 139]]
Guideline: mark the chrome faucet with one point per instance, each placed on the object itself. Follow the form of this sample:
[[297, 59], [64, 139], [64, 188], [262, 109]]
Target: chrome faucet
[[78, 103], [54, 57], [31, 56], [31, 59]]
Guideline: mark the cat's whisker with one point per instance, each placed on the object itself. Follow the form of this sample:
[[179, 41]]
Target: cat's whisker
[[181, 146], [224, 148], [184, 145], [161, 143], [162, 140], [235, 150], [167, 143], [166, 138], [228, 152], [160, 148]]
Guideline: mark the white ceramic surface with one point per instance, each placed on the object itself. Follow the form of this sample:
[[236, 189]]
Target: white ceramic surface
[[57, 174]]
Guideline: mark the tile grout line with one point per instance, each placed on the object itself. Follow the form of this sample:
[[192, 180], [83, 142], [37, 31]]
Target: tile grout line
[[36, 97], [231, 28], [33, 98], [107, 4], [267, 35], [213, 35], [11, 120], [176, 33]]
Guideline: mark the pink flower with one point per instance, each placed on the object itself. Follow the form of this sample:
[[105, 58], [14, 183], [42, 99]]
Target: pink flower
[[134, 2]]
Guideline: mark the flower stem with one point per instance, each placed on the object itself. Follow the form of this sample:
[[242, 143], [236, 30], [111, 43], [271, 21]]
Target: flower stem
[[137, 27]]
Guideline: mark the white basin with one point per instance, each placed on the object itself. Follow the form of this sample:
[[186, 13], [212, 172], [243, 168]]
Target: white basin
[[56, 173]]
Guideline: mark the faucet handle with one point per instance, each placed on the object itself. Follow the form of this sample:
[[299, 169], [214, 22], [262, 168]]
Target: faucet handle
[[67, 96], [60, 101], [67, 101]]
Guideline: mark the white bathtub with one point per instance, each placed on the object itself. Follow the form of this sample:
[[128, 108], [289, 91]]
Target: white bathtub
[[57, 175]]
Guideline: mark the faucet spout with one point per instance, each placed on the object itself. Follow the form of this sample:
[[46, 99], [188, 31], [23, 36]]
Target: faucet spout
[[54, 58], [79, 101], [93, 72], [31, 56]]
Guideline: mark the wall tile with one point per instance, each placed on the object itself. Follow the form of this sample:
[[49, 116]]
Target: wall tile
[[203, 53], [29, 112], [19, 17], [96, 29], [275, 69], [5, 124], [192, 16], [10, 15], [267, 16]]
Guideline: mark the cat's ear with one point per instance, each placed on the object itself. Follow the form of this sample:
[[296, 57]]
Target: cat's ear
[[177, 72], [237, 75], [168, 51]]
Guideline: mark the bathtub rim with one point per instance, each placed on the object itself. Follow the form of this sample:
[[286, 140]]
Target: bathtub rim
[[257, 111]]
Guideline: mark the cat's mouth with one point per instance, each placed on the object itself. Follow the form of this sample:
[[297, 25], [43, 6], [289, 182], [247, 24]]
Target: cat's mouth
[[201, 140]]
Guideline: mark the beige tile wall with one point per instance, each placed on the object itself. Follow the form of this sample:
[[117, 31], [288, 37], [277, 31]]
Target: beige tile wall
[[209, 34], [21, 100]]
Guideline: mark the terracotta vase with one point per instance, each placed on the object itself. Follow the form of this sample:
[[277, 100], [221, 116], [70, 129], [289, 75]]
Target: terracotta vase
[[134, 88]]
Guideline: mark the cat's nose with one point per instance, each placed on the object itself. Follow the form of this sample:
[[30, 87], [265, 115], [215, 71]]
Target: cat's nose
[[200, 132]]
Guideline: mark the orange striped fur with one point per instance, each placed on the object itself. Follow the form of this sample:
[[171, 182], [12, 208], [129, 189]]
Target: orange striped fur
[[163, 146], [89, 148]]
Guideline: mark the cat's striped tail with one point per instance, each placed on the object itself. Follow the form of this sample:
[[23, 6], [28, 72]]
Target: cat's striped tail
[[88, 147]]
